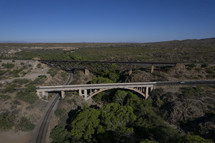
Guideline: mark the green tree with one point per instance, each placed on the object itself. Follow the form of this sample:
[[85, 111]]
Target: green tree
[[117, 118], [147, 141], [86, 123], [101, 80], [192, 139], [59, 135], [120, 96]]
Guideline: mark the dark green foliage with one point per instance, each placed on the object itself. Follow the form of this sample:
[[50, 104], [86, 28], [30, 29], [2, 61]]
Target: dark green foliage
[[25, 124], [76, 57], [39, 65], [125, 117], [101, 80], [16, 72], [30, 88], [112, 118], [109, 73], [4, 97], [52, 72], [2, 72], [120, 96], [192, 139], [21, 81], [86, 124], [40, 79], [147, 141], [6, 120], [10, 88], [117, 118], [192, 91], [8, 65], [28, 95], [60, 135], [43, 54]]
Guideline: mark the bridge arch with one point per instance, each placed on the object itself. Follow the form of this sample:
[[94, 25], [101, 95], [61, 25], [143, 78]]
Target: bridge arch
[[105, 89]]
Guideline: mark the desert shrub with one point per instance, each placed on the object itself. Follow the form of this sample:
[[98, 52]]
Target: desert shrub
[[39, 65], [28, 97], [2, 72], [210, 70], [40, 79], [16, 102], [52, 72], [21, 81], [192, 91], [6, 120], [4, 97], [8, 65], [25, 124], [10, 89]]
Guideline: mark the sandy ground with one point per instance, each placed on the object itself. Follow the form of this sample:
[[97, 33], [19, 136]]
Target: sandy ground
[[15, 137]]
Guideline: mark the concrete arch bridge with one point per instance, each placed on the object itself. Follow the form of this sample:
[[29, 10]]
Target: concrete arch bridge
[[87, 91]]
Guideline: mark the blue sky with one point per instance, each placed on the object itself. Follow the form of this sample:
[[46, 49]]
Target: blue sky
[[106, 20]]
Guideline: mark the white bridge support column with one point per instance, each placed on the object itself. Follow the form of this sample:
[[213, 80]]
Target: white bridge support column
[[147, 92], [84, 95], [63, 94]]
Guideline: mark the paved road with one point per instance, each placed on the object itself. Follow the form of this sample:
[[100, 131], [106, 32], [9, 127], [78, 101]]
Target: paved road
[[195, 82]]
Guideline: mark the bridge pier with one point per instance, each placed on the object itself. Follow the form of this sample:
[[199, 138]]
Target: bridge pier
[[147, 92], [130, 72], [62, 94], [86, 72], [83, 93], [152, 68], [42, 94]]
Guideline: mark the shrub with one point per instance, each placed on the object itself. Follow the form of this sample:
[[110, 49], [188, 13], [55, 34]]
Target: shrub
[[8, 65], [27, 97], [40, 79], [2, 72], [52, 72], [4, 97], [38, 65], [25, 124], [6, 120], [101, 80], [20, 81], [9, 89]]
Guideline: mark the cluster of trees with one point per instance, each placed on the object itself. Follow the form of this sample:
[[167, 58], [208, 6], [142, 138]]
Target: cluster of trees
[[126, 118]]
